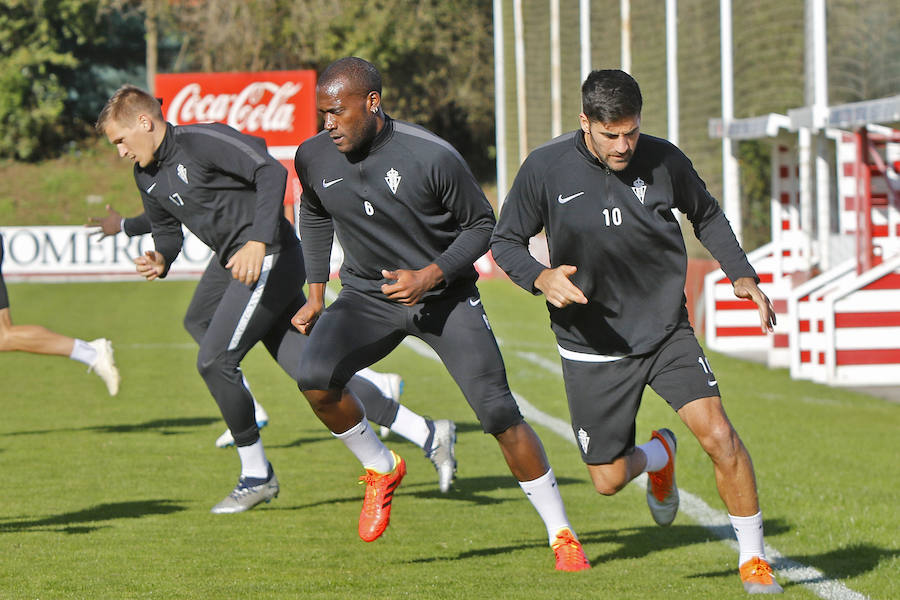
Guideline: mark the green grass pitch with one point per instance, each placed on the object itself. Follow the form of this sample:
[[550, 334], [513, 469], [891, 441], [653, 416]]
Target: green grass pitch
[[109, 497]]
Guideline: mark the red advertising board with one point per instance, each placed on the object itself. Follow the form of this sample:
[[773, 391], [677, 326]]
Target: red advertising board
[[278, 106]]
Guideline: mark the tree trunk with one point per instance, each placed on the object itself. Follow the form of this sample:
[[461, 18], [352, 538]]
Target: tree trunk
[[152, 41]]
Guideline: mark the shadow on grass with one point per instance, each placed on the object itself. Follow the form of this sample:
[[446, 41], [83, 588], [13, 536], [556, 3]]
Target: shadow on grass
[[393, 438], [844, 563], [304, 441], [473, 489], [470, 496], [70, 522], [638, 542], [162, 426], [481, 552], [631, 543], [851, 561]]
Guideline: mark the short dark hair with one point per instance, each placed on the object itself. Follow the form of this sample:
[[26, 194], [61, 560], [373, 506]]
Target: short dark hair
[[360, 74], [610, 95]]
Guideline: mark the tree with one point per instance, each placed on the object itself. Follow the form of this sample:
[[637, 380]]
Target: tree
[[32, 98], [58, 61], [436, 57]]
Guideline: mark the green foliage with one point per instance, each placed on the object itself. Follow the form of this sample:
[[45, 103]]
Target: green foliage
[[435, 56], [863, 50], [31, 96], [52, 59], [755, 163]]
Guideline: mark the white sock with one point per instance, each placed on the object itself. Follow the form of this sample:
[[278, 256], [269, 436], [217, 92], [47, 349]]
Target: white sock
[[378, 380], [749, 532], [246, 384], [368, 449], [411, 426], [544, 496], [656, 454], [83, 352], [253, 461], [258, 410]]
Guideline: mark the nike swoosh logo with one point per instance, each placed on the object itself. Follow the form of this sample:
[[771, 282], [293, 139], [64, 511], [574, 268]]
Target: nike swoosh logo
[[562, 200], [150, 189], [328, 184], [712, 383], [474, 301]]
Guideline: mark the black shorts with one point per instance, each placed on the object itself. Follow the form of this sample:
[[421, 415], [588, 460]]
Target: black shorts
[[358, 330], [604, 397], [4, 297]]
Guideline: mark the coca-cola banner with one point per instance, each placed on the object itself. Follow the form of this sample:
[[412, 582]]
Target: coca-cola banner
[[278, 106]]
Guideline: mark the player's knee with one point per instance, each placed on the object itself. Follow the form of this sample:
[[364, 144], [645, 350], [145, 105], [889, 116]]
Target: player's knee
[[313, 373], [498, 419], [213, 365], [323, 400], [719, 439], [608, 484]]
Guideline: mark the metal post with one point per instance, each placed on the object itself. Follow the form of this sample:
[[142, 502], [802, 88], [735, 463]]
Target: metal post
[[672, 76], [820, 108], [521, 107], [805, 191], [625, 9], [672, 69], [584, 33], [555, 76], [500, 102], [730, 181], [864, 248], [776, 210]]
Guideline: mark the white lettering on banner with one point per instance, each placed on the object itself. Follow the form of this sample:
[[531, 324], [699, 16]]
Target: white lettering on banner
[[74, 253], [245, 111]]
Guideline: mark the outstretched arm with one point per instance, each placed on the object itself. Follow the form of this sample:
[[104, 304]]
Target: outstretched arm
[[108, 225], [113, 223]]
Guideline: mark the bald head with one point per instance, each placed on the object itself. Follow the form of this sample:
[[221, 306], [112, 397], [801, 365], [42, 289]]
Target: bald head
[[354, 75]]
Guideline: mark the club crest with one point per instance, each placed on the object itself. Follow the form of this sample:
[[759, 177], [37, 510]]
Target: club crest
[[393, 180], [584, 439], [182, 172], [639, 188]]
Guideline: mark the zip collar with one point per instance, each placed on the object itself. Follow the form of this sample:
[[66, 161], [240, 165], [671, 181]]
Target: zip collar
[[381, 138], [167, 147], [582, 149]]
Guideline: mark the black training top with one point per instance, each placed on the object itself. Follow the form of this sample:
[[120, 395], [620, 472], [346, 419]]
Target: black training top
[[405, 202], [137, 225], [221, 184], [618, 230]]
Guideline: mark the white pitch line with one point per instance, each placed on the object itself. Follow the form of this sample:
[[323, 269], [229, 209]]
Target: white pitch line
[[715, 521], [159, 346]]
